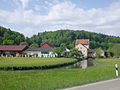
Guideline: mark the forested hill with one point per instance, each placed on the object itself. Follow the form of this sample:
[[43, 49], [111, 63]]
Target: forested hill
[[8, 37], [57, 38], [68, 37]]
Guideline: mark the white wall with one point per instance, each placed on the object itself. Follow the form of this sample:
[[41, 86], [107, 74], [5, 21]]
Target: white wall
[[83, 49], [50, 54]]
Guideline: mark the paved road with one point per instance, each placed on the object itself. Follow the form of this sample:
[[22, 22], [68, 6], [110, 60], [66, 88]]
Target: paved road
[[113, 84]]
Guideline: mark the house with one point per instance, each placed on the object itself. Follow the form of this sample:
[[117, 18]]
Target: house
[[24, 51], [43, 51], [99, 53], [83, 46], [12, 50]]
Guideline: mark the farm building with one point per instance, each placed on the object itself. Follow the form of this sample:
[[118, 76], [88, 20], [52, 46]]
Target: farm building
[[43, 51], [12, 50], [83, 46], [24, 51]]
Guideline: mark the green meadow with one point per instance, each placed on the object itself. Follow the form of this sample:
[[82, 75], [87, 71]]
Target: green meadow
[[58, 78], [22, 62]]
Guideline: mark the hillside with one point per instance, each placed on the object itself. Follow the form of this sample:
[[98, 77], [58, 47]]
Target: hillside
[[68, 37], [8, 37], [57, 38]]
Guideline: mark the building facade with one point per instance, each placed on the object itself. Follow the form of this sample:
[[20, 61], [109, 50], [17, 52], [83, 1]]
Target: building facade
[[83, 46], [43, 51]]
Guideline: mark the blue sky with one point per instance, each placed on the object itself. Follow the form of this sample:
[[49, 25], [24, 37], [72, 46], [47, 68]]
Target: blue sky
[[32, 16]]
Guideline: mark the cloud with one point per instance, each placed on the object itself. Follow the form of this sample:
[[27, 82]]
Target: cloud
[[66, 15], [21, 3], [24, 3], [28, 31]]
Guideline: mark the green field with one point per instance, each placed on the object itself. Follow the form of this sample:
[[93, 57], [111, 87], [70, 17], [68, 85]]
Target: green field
[[58, 78], [9, 62]]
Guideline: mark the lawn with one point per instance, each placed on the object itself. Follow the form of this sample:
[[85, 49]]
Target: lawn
[[20, 62], [58, 78]]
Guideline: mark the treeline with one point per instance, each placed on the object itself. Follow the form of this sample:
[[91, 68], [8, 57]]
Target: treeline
[[57, 38], [68, 37], [8, 37]]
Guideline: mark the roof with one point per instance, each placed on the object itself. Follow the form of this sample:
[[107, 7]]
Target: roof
[[82, 41], [46, 46], [12, 47], [40, 49]]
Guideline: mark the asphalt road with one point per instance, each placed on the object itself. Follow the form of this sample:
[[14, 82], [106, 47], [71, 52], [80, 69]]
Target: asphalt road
[[113, 84]]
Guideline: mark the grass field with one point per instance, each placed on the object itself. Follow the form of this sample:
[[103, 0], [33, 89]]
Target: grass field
[[58, 78], [9, 62]]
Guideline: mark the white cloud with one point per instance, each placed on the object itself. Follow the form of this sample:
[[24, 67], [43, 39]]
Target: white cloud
[[37, 8], [28, 31], [67, 15], [108, 29], [3, 15], [24, 3], [21, 3]]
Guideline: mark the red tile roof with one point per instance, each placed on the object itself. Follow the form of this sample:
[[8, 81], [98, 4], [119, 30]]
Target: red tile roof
[[46, 46], [82, 41], [12, 47]]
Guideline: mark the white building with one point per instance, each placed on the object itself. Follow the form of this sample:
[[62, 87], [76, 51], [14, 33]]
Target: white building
[[43, 51], [83, 46]]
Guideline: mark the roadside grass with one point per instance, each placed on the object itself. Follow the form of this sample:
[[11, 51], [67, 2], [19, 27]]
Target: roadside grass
[[58, 78], [9, 62]]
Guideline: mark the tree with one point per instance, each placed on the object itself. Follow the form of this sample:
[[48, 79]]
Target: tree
[[75, 53], [0, 40], [28, 40], [65, 54], [56, 38], [24, 43], [68, 38], [8, 42], [98, 52], [71, 45], [6, 36], [19, 39], [58, 51], [115, 50], [34, 45], [9, 37]]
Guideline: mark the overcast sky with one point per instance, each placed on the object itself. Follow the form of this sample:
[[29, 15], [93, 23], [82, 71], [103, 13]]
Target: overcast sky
[[32, 16]]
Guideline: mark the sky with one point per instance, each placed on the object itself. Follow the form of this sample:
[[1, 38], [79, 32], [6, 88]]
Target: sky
[[32, 16]]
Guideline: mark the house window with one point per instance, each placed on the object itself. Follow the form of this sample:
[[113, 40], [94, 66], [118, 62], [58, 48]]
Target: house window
[[80, 47], [45, 52]]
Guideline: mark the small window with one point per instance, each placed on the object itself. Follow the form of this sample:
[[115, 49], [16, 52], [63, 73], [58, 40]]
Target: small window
[[45, 52]]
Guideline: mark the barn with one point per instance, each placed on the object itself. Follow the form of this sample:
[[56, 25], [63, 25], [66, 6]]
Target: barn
[[12, 50]]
